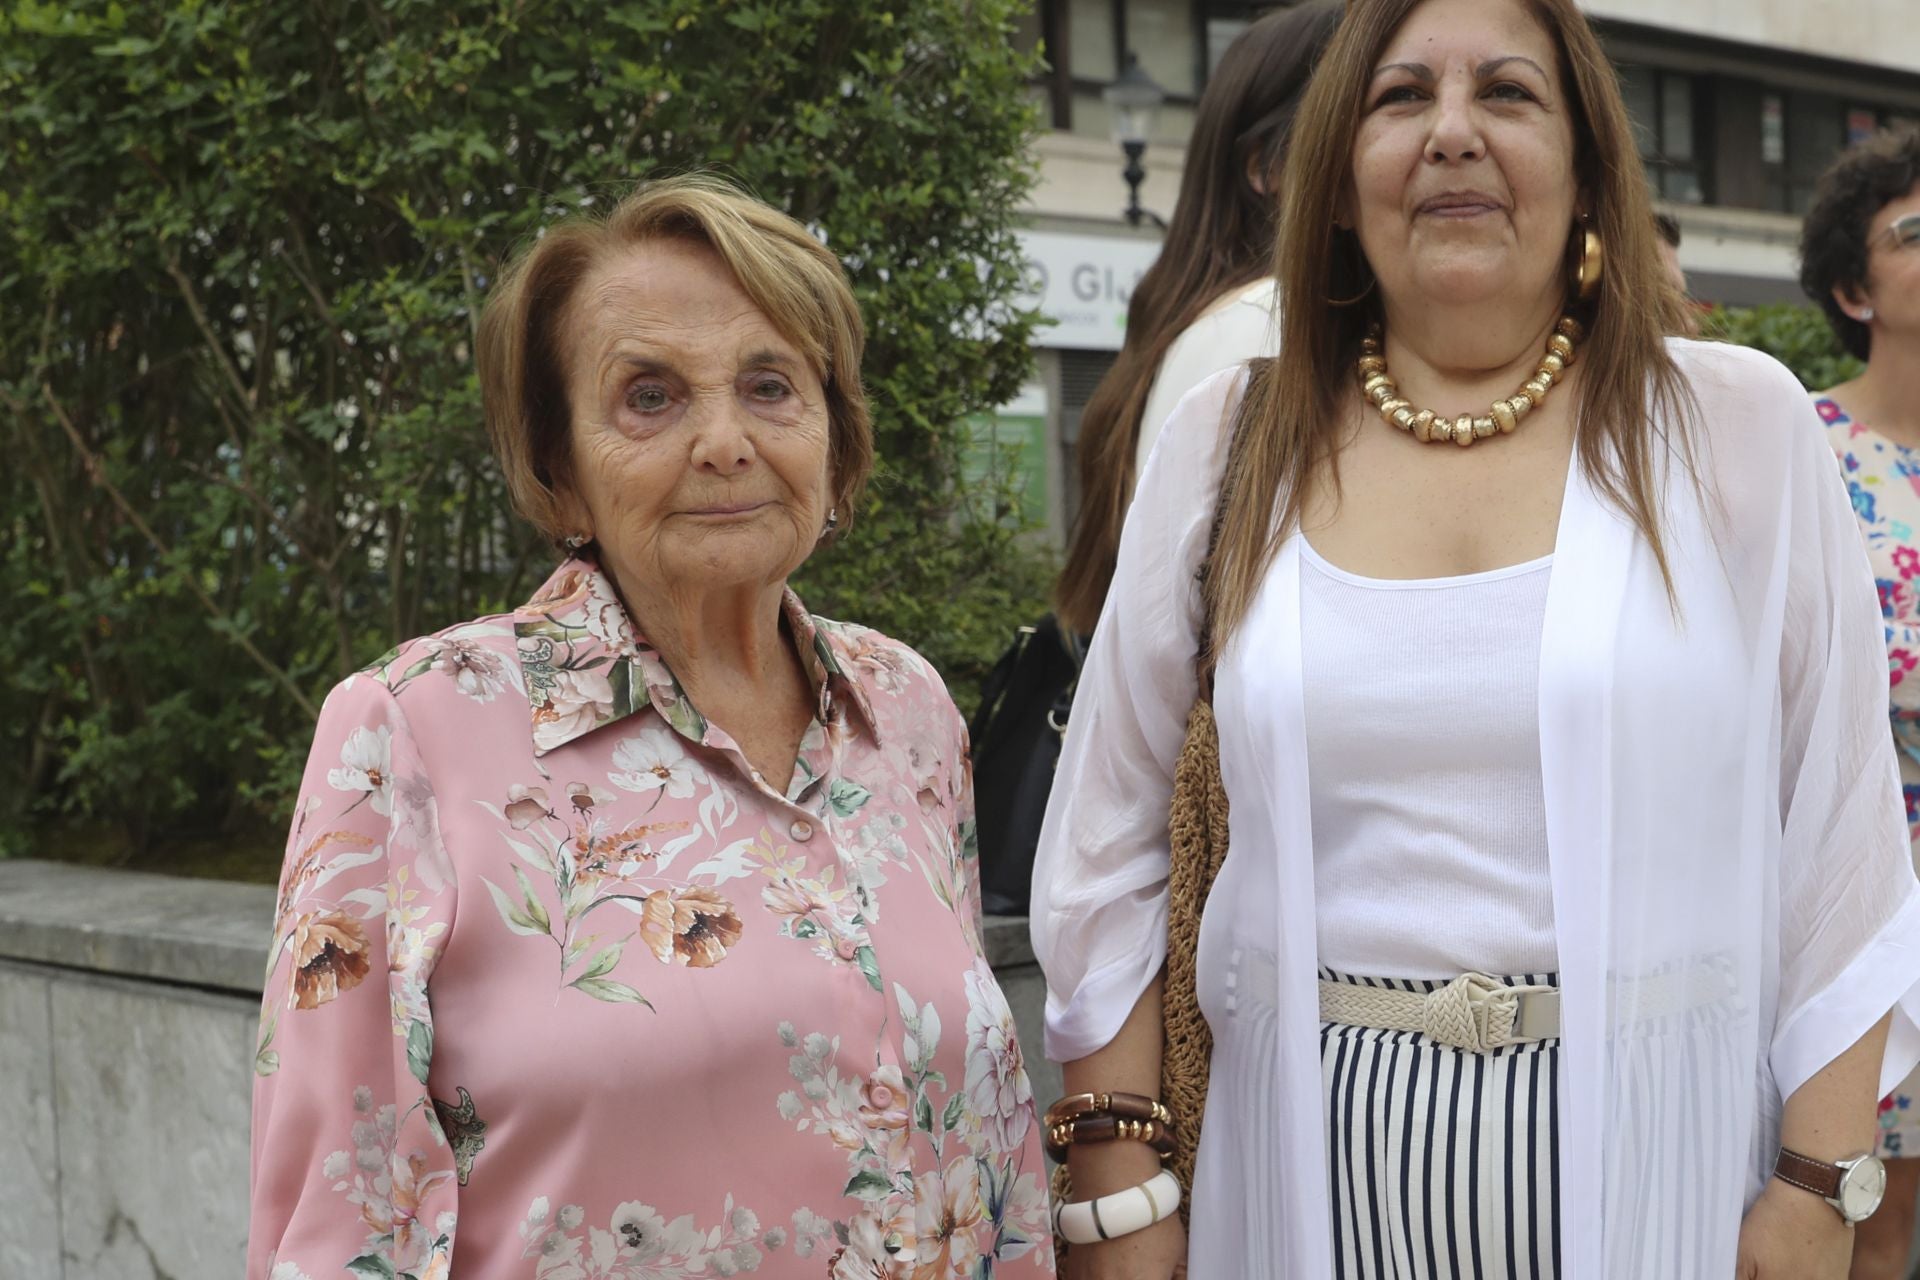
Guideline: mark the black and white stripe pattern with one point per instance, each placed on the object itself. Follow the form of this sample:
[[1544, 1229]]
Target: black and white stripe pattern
[[1441, 1163]]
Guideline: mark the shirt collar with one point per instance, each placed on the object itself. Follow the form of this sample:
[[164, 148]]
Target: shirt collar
[[586, 665]]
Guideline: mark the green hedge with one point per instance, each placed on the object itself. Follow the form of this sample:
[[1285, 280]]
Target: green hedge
[[1797, 336], [242, 243]]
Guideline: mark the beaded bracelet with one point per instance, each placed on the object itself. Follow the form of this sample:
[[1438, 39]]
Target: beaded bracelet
[[1087, 1129], [1127, 1106]]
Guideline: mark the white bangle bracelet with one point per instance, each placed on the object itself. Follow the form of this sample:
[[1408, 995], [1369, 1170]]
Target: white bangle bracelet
[[1122, 1213]]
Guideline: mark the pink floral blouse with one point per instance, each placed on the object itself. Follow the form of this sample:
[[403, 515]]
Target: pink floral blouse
[[562, 989]]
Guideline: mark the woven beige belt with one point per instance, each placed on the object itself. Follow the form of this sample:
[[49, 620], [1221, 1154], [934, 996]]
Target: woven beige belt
[[1473, 1012]]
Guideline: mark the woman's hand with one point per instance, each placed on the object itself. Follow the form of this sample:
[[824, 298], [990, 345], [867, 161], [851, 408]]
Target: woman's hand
[[1157, 1253], [1791, 1234]]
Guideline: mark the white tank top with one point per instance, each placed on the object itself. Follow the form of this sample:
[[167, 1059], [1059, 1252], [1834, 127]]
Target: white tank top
[[1423, 763]]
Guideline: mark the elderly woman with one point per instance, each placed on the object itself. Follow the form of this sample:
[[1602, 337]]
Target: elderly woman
[[1860, 260], [633, 933], [1547, 658]]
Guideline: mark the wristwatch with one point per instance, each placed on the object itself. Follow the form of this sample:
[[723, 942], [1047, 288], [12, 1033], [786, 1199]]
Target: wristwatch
[[1853, 1187]]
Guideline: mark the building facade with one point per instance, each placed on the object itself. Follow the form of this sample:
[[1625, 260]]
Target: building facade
[[1738, 104]]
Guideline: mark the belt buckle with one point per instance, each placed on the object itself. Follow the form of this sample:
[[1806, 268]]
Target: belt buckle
[[1538, 1017]]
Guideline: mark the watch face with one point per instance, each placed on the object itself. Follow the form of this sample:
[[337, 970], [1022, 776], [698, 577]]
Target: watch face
[[1862, 1187]]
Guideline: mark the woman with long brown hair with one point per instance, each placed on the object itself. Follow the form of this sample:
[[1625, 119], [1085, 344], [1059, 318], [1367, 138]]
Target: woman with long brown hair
[[1567, 896], [1206, 304]]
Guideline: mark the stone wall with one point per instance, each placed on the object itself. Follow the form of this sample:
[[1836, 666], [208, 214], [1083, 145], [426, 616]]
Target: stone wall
[[127, 1021]]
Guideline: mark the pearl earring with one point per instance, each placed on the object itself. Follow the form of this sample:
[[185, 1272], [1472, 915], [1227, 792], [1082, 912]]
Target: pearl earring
[[833, 519], [575, 541], [1866, 315]]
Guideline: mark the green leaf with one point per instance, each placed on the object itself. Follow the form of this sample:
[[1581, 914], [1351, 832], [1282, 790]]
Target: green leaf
[[846, 798], [127, 47], [869, 965], [514, 918], [419, 1048], [868, 1185], [610, 991], [604, 961], [956, 1106], [371, 1265], [923, 1114], [534, 910]]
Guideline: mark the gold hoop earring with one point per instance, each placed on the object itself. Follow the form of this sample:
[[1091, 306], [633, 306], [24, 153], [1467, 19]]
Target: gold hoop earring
[[1353, 246], [1589, 261], [1356, 299], [1361, 296]]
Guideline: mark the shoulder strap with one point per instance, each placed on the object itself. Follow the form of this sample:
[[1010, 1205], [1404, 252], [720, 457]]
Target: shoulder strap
[[1203, 657]]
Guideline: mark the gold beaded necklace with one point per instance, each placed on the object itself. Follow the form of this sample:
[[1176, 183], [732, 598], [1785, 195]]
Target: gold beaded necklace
[[1503, 417]]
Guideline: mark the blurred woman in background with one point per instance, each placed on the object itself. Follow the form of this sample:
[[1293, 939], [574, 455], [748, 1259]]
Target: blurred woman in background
[[1207, 303], [1860, 261]]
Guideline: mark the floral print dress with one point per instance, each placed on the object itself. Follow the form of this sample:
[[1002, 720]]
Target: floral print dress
[[1884, 480], [562, 989]]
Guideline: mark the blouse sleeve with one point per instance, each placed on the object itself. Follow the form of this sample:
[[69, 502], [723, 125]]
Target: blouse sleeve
[[1849, 904], [1100, 871], [352, 1170]]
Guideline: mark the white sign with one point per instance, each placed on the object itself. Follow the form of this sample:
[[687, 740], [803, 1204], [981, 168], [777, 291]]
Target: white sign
[[1082, 284]]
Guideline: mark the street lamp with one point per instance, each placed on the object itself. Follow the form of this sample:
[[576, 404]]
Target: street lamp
[[1135, 101]]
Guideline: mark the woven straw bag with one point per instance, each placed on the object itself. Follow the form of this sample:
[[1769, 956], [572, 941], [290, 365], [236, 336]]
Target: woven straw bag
[[1197, 825], [1197, 846]]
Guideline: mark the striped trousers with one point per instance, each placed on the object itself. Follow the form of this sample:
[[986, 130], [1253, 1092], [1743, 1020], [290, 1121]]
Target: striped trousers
[[1442, 1163]]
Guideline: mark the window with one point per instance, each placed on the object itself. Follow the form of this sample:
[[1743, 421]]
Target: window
[[1178, 42], [1165, 36], [1815, 130], [1094, 54], [1168, 36], [1666, 125], [1862, 123]]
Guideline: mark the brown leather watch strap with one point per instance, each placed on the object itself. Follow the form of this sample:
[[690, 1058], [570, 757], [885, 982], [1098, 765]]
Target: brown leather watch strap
[[1808, 1174]]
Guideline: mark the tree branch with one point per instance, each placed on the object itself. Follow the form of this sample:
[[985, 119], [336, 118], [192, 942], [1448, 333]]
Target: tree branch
[[97, 473], [192, 299]]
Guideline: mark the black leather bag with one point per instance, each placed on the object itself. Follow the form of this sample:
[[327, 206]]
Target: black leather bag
[[1016, 735]]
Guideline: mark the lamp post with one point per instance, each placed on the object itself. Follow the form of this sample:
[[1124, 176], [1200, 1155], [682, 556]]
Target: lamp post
[[1135, 101]]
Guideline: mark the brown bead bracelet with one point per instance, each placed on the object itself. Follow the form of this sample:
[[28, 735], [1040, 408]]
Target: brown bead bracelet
[[1098, 1127], [1126, 1106]]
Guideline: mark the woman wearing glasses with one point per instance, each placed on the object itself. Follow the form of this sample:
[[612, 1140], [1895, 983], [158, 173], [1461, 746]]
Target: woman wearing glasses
[[1860, 260]]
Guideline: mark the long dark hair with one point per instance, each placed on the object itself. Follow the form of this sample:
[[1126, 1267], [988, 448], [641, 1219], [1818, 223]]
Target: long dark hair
[[1220, 240]]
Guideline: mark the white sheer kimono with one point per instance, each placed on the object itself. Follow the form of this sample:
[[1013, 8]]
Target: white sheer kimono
[[1734, 900]]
